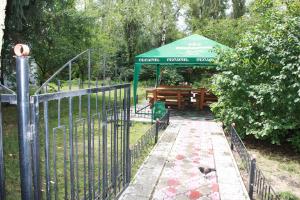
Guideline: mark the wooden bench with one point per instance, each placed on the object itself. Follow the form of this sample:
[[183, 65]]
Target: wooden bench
[[174, 96]]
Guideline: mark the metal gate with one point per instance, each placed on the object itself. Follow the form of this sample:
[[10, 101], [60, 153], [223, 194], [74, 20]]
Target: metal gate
[[73, 136]]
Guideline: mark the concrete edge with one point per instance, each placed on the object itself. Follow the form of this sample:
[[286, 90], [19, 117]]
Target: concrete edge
[[235, 164]]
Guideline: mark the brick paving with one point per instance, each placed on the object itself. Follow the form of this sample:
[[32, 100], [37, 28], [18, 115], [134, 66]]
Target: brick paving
[[192, 160]]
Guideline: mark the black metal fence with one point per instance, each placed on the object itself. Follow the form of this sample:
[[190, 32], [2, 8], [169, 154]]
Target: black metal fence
[[149, 138], [257, 185], [73, 140]]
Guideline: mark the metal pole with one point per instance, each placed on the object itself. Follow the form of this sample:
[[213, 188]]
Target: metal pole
[[168, 117], [2, 173], [22, 70], [156, 131], [36, 148], [251, 177], [128, 159], [231, 136]]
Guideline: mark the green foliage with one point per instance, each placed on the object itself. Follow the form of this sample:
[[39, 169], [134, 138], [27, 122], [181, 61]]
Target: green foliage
[[170, 76], [295, 141], [58, 30], [60, 40], [293, 6], [226, 31], [239, 8], [258, 87], [205, 82], [200, 11], [288, 196]]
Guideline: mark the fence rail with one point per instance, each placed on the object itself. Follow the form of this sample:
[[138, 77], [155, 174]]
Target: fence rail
[[258, 186]]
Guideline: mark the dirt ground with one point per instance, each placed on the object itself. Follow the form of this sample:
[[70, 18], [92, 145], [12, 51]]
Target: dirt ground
[[280, 165]]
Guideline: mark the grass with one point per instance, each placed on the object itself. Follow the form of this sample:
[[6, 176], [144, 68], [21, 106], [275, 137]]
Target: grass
[[287, 196], [138, 131], [56, 143]]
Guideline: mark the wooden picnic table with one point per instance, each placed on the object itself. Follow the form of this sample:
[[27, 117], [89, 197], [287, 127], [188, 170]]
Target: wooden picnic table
[[180, 96]]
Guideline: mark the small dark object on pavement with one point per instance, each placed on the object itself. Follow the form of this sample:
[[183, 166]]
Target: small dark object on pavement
[[206, 170]]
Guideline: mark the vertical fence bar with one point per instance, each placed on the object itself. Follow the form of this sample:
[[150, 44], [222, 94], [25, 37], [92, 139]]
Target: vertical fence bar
[[76, 161], [128, 153], [168, 117], [2, 176], [55, 165], [22, 76], [47, 153], [71, 147], [104, 146], [84, 160], [156, 131], [115, 144], [251, 177], [90, 186], [231, 136], [36, 148], [124, 135], [90, 162]]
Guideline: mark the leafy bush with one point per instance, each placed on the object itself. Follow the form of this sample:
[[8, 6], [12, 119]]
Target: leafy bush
[[295, 141], [170, 76], [259, 83], [203, 82]]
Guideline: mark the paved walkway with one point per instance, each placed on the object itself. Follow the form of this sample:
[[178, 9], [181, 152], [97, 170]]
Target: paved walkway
[[192, 160]]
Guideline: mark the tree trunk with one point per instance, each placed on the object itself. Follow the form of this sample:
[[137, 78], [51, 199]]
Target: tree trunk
[[2, 25], [238, 8]]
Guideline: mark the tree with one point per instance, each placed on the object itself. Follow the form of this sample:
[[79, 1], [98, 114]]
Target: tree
[[52, 29], [258, 84], [2, 27], [239, 8], [119, 30], [227, 31], [201, 11]]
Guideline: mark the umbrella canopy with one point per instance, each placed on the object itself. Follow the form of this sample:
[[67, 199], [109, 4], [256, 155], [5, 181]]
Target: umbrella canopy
[[194, 50]]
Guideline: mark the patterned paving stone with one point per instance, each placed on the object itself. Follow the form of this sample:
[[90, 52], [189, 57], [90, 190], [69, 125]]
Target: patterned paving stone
[[192, 160]]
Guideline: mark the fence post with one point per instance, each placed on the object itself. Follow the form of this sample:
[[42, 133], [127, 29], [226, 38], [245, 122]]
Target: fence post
[[128, 159], [251, 177], [22, 76], [129, 166], [232, 126], [156, 131], [168, 117], [2, 173]]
